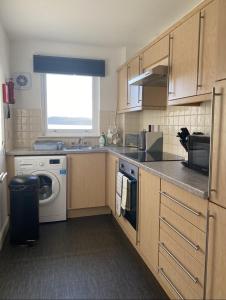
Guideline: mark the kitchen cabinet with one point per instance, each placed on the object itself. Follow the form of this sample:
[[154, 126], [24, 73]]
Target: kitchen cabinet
[[149, 188], [183, 62], [86, 180], [207, 48], [134, 91], [216, 262], [221, 40], [218, 157], [122, 88], [112, 162], [155, 53], [182, 241], [132, 97]]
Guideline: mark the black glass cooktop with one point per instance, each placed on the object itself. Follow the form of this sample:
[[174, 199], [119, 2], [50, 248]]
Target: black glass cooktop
[[143, 156]]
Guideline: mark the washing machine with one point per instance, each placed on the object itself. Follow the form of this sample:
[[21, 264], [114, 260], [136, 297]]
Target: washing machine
[[52, 172]]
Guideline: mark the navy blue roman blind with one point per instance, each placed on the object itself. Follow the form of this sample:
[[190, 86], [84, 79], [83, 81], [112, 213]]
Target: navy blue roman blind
[[67, 65]]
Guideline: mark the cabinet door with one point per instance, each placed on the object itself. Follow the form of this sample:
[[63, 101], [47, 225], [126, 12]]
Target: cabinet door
[[207, 52], [86, 180], [133, 90], [216, 263], [149, 218], [183, 66], [156, 52], [110, 184], [221, 40], [218, 169], [122, 89]]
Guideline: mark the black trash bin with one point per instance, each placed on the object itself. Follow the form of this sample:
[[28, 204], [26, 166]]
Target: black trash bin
[[24, 209]]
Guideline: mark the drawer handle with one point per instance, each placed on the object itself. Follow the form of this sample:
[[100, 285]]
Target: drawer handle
[[194, 279], [197, 213], [196, 247], [170, 283]]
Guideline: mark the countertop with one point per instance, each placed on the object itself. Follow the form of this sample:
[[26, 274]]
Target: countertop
[[172, 171]]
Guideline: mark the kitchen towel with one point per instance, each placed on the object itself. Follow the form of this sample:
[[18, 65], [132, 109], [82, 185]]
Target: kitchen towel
[[126, 197], [119, 183]]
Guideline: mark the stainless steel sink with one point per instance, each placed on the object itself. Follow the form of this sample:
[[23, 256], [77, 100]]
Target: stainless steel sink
[[79, 148]]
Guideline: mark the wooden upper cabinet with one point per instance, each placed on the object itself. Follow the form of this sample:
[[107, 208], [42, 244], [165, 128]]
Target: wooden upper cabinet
[[122, 88], [86, 183], [208, 47], [133, 90], [183, 62], [221, 40], [156, 53], [216, 262], [149, 218]]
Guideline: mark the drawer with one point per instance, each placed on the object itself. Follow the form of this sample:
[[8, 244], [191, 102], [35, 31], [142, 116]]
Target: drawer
[[188, 199], [189, 212], [192, 270], [186, 234], [173, 278]]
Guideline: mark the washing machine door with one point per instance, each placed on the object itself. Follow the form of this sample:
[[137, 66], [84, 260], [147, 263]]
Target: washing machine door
[[49, 186]]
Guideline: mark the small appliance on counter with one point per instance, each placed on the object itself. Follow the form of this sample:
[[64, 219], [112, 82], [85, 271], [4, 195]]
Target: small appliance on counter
[[198, 147], [154, 141], [142, 140], [132, 140], [150, 141]]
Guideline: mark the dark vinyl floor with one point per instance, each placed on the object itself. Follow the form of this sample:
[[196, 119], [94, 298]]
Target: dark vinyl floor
[[85, 258]]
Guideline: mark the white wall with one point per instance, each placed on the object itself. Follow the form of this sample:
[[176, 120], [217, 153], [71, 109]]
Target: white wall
[[21, 54], [4, 74]]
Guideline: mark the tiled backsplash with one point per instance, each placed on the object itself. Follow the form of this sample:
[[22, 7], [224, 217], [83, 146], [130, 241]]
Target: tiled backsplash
[[28, 126], [195, 118]]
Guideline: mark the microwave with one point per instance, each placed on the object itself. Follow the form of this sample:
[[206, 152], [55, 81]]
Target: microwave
[[198, 147]]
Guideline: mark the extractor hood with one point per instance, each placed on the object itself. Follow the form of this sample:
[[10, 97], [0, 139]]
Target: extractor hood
[[156, 76]]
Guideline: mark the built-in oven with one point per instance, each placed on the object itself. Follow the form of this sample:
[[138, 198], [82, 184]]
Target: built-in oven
[[131, 172]]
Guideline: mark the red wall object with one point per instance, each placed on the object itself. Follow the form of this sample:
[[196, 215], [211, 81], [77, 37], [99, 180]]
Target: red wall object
[[10, 84], [5, 93]]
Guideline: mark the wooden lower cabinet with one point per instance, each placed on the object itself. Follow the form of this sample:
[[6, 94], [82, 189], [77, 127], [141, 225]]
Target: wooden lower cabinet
[[149, 187], [111, 168], [216, 263], [86, 180]]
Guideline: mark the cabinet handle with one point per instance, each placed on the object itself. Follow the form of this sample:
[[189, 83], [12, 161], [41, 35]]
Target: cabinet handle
[[170, 283], [3, 176], [197, 213], [70, 182], [200, 50], [208, 260], [128, 88], [170, 82], [196, 247], [210, 188], [193, 278]]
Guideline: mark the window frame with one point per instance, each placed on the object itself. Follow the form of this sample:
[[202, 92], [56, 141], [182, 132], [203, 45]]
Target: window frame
[[94, 132]]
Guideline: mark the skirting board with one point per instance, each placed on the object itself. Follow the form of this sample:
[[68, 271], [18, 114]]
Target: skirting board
[[3, 232], [85, 212]]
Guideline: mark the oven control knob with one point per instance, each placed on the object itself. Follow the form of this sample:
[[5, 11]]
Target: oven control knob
[[41, 164]]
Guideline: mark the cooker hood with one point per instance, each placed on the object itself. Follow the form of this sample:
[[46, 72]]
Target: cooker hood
[[156, 76]]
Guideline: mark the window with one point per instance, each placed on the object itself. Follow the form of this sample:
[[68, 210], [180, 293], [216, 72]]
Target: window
[[71, 105]]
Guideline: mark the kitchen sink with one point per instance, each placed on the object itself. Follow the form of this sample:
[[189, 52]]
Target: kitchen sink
[[79, 148]]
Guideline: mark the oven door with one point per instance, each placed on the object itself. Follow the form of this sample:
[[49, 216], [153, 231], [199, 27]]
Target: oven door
[[131, 215]]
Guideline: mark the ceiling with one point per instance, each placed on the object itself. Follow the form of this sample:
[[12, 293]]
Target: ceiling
[[95, 22]]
